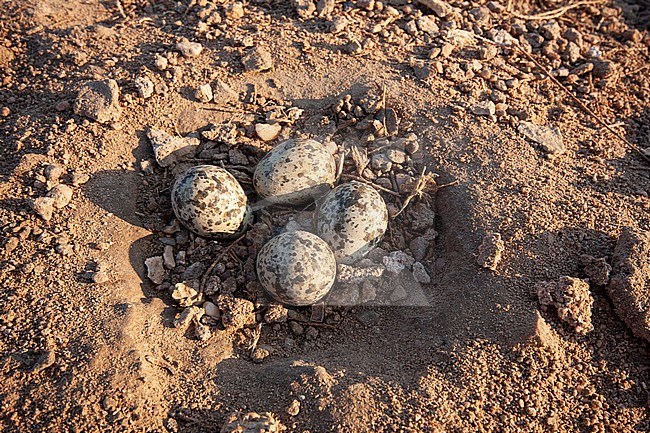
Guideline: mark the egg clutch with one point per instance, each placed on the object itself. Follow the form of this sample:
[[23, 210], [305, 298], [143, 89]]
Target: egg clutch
[[296, 267]]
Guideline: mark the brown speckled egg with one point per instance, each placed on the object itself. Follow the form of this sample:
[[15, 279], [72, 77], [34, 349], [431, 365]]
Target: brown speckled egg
[[297, 268], [210, 202], [352, 219], [295, 172]]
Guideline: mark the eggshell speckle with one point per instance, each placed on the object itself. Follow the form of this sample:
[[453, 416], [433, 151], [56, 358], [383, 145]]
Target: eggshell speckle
[[209, 201], [352, 219], [295, 172], [297, 268]]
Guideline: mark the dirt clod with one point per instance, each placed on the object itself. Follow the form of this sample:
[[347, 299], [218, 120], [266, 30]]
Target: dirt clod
[[629, 286]]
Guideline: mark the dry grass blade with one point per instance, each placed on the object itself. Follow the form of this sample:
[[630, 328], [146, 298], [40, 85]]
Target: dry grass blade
[[360, 158], [257, 333], [425, 180], [374, 185], [120, 8], [339, 169], [555, 13]]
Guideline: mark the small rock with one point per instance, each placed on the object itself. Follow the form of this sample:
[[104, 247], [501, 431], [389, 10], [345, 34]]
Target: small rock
[[99, 101], [629, 286], [549, 138], [211, 310], [260, 354], [168, 149], [155, 269], [572, 299], [597, 270], [325, 7], [268, 132], [276, 313], [368, 292], [5, 112], [418, 247], [203, 93], [396, 156], [446, 50], [53, 173], [237, 157], [201, 332], [397, 261], [311, 333], [185, 318], [62, 194], [572, 52], [235, 11], [604, 69], [161, 62], [399, 294], [551, 30], [427, 24], [294, 408], [79, 178], [540, 334], [144, 86], [11, 244], [344, 295], [44, 207], [490, 251], [252, 422], [487, 52], [223, 93], [168, 257], [380, 162], [420, 273], [46, 360], [304, 8], [235, 312], [194, 271], [189, 49], [632, 35], [439, 7], [257, 59], [484, 108], [296, 328], [186, 295], [352, 47], [99, 277], [6, 56], [347, 274], [338, 24]]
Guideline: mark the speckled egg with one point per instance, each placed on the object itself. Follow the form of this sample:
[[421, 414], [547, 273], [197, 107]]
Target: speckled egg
[[295, 172], [209, 201], [352, 219], [297, 268]]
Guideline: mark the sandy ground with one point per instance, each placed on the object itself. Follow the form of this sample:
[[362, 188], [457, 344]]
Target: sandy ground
[[82, 352]]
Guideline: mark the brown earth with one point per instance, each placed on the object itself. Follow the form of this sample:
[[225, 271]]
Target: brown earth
[[82, 356]]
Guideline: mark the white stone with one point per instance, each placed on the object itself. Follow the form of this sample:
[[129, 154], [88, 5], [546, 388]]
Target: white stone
[[268, 132], [420, 273], [155, 269]]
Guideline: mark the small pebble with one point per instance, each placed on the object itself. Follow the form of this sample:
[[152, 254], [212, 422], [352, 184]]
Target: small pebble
[[189, 49]]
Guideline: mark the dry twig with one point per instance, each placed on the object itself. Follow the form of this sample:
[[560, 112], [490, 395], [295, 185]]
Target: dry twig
[[257, 333], [422, 183], [379, 187], [225, 251], [555, 13], [581, 104], [120, 8]]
